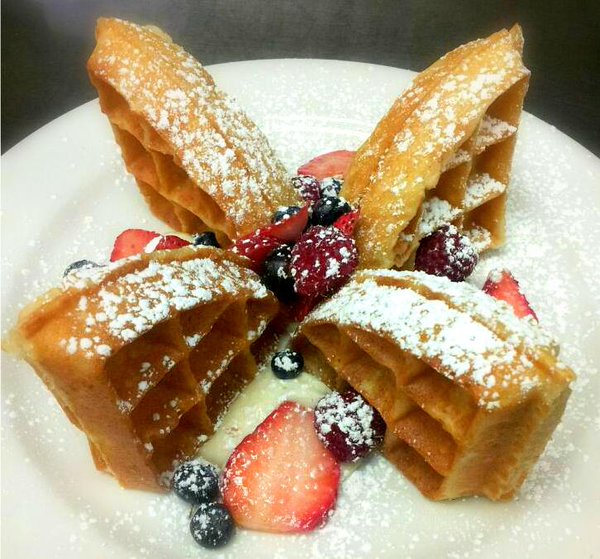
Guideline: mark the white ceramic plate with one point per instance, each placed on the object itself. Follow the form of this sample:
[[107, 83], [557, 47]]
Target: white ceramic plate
[[66, 196]]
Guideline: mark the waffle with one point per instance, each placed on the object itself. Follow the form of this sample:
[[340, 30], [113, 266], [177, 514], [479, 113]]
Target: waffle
[[199, 161], [442, 154], [145, 354], [469, 392]]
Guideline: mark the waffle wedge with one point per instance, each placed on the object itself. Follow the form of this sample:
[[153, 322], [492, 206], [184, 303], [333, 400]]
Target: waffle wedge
[[469, 392], [145, 354], [442, 154], [198, 159]]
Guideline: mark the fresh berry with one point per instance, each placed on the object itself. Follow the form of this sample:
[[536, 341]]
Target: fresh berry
[[168, 242], [287, 364], [347, 222], [196, 483], [332, 164], [289, 229], [211, 525], [331, 186], [308, 188], [130, 242], [285, 213], [447, 253], [80, 265], [502, 285], [207, 239], [276, 274], [281, 478], [256, 246], [328, 209], [302, 306], [348, 426], [322, 261]]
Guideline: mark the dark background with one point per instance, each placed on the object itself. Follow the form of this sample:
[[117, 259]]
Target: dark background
[[45, 44]]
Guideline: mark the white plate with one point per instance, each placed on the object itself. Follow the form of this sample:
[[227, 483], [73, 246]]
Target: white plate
[[66, 196]]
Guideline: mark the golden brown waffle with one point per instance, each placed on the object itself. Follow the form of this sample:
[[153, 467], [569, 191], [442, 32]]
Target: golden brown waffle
[[442, 154], [198, 159], [469, 392], [144, 355]]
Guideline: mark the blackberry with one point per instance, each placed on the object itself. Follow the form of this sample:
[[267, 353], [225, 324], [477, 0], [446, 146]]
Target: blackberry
[[80, 264], [328, 209], [331, 186], [287, 364], [211, 525], [196, 483], [276, 274], [207, 239]]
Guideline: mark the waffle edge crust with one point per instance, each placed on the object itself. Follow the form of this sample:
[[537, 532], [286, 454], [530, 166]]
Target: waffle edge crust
[[145, 354], [469, 392]]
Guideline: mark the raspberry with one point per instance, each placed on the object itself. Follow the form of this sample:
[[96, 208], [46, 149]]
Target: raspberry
[[348, 426], [308, 188], [447, 253], [322, 261]]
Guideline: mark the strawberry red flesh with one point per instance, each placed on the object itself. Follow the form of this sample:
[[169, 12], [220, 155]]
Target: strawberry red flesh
[[257, 246], [169, 242], [288, 229], [130, 242], [332, 164], [347, 222], [281, 478], [503, 286]]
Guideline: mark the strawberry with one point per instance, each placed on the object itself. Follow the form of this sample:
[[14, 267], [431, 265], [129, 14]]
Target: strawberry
[[280, 478], [290, 228], [503, 286], [322, 261], [347, 222], [136, 241], [332, 164], [256, 246]]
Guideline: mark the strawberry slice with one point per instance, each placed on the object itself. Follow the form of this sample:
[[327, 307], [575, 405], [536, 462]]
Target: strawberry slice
[[347, 222], [289, 229], [256, 246], [503, 286], [332, 164], [136, 241], [281, 478]]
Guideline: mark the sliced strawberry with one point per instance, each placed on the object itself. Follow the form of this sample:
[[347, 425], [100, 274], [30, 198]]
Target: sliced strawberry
[[332, 164], [169, 242], [130, 242], [281, 478], [503, 286], [322, 261], [290, 228], [256, 247], [347, 222]]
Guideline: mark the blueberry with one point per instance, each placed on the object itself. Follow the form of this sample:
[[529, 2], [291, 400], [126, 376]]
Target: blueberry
[[276, 274], [207, 239], [287, 364], [285, 213], [196, 483], [328, 209], [80, 264], [211, 525], [331, 186]]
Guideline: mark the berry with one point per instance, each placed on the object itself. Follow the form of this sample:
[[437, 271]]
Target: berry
[[503, 286], [348, 426], [196, 483], [285, 213], [322, 261], [207, 239], [328, 209], [276, 274], [447, 253], [256, 246], [288, 229], [332, 164], [80, 264], [130, 242], [137, 241], [347, 223], [211, 525], [331, 186], [308, 188], [281, 478], [287, 364]]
